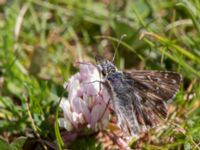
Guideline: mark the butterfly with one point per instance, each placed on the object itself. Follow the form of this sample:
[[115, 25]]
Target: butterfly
[[139, 97]]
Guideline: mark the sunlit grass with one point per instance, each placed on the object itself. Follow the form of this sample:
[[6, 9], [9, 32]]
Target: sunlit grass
[[41, 40]]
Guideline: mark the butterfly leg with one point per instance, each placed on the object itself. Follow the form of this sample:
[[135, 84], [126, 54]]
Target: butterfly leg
[[106, 108], [94, 82]]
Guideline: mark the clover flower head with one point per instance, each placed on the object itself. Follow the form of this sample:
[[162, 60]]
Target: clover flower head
[[87, 102]]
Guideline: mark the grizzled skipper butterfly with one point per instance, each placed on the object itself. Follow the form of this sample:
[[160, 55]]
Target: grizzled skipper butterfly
[[139, 97]]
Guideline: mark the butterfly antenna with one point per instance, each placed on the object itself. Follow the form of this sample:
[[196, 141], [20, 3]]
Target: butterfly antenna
[[120, 40]]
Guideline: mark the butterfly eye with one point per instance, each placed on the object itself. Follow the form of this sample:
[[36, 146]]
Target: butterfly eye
[[104, 72]]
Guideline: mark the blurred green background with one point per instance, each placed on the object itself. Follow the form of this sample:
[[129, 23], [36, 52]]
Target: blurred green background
[[41, 40]]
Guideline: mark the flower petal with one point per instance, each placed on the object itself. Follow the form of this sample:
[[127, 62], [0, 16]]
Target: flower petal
[[96, 114], [73, 87], [90, 89], [65, 123], [78, 118], [80, 106], [64, 104]]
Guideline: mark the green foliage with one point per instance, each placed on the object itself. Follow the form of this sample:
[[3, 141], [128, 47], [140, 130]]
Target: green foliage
[[88, 142], [17, 144], [41, 40]]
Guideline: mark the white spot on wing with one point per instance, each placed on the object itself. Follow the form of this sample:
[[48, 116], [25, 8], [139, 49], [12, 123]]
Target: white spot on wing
[[166, 75], [173, 81]]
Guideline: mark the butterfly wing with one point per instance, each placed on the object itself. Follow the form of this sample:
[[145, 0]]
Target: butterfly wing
[[140, 98], [162, 84]]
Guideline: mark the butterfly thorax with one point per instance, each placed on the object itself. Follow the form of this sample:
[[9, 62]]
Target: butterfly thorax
[[106, 68]]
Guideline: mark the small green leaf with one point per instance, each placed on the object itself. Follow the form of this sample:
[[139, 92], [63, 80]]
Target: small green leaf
[[187, 146], [18, 143], [4, 145]]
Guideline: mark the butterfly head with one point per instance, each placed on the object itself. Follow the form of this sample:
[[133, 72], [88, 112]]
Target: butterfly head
[[105, 66]]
